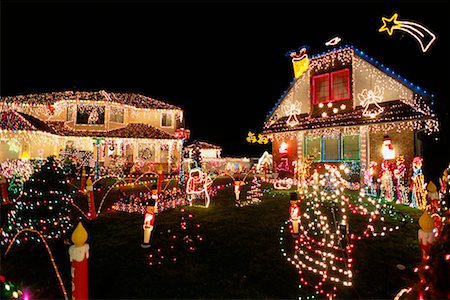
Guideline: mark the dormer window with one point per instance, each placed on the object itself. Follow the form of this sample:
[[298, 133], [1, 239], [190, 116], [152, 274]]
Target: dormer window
[[166, 119], [331, 87]]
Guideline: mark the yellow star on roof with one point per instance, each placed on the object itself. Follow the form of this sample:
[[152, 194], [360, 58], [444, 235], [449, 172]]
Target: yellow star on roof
[[394, 24]]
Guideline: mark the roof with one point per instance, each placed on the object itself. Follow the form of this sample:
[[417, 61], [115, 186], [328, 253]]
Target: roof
[[14, 121], [203, 145], [132, 130], [393, 111], [132, 99], [415, 88]]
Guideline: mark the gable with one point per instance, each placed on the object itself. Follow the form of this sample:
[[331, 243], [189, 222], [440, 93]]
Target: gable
[[296, 100], [368, 77], [369, 83]]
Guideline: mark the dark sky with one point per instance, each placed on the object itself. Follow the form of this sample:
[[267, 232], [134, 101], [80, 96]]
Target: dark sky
[[224, 63]]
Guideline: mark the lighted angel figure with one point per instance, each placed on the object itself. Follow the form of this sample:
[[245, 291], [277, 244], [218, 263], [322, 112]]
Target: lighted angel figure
[[369, 97], [198, 184], [293, 111]]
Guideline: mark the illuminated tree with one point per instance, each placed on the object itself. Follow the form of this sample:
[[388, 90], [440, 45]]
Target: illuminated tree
[[196, 155], [44, 204]]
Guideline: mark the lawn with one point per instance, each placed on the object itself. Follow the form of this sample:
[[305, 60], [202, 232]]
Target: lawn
[[225, 253]]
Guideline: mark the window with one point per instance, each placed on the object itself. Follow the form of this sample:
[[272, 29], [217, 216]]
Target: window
[[340, 85], [116, 114], [312, 147], [330, 148], [166, 120], [321, 88], [331, 87], [69, 113], [350, 147], [90, 114], [164, 153]]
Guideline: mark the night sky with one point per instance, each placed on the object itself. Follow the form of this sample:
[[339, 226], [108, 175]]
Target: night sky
[[223, 63]]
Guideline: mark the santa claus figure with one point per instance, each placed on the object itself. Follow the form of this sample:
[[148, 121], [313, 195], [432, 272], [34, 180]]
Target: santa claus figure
[[197, 185]]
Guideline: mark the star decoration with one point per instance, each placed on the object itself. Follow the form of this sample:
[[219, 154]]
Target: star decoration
[[392, 22]]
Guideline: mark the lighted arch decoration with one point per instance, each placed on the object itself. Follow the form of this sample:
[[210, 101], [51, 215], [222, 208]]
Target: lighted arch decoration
[[55, 267], [423, 35]]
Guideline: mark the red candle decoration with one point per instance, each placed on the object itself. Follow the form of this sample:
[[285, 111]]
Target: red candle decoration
[[90, 195], [79, 254], [83, 180], [4, 187], [426, 234]]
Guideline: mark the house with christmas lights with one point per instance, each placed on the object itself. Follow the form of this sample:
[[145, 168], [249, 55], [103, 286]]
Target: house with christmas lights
[[344, 106], [98, 125]]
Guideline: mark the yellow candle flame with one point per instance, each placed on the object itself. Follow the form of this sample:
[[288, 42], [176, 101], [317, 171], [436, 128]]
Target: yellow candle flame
[[79, 235]]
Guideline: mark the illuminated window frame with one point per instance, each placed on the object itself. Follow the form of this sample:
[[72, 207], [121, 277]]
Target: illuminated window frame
[[168, 118], [340, 139], [330, 77]]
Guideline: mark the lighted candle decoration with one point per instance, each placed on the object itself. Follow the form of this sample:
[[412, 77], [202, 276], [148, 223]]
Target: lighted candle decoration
[[79, 254], [322, 252], [433, 197], [4, 187], [90, 198]]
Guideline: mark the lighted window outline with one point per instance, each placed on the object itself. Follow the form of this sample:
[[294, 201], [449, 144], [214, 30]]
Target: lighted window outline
[[346, 71], [305, 147], [330, 77], [339, 156], [342, 147], [113, 117], [327, 75]]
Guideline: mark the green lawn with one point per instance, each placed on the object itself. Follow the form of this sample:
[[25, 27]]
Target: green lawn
[[238, 257]]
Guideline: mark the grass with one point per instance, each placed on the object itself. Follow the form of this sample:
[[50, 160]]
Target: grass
[[239, 256]]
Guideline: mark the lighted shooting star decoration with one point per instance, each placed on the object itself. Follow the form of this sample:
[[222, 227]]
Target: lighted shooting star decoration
[[424, 36], [300, 62], [292, 112], [368, 97]]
